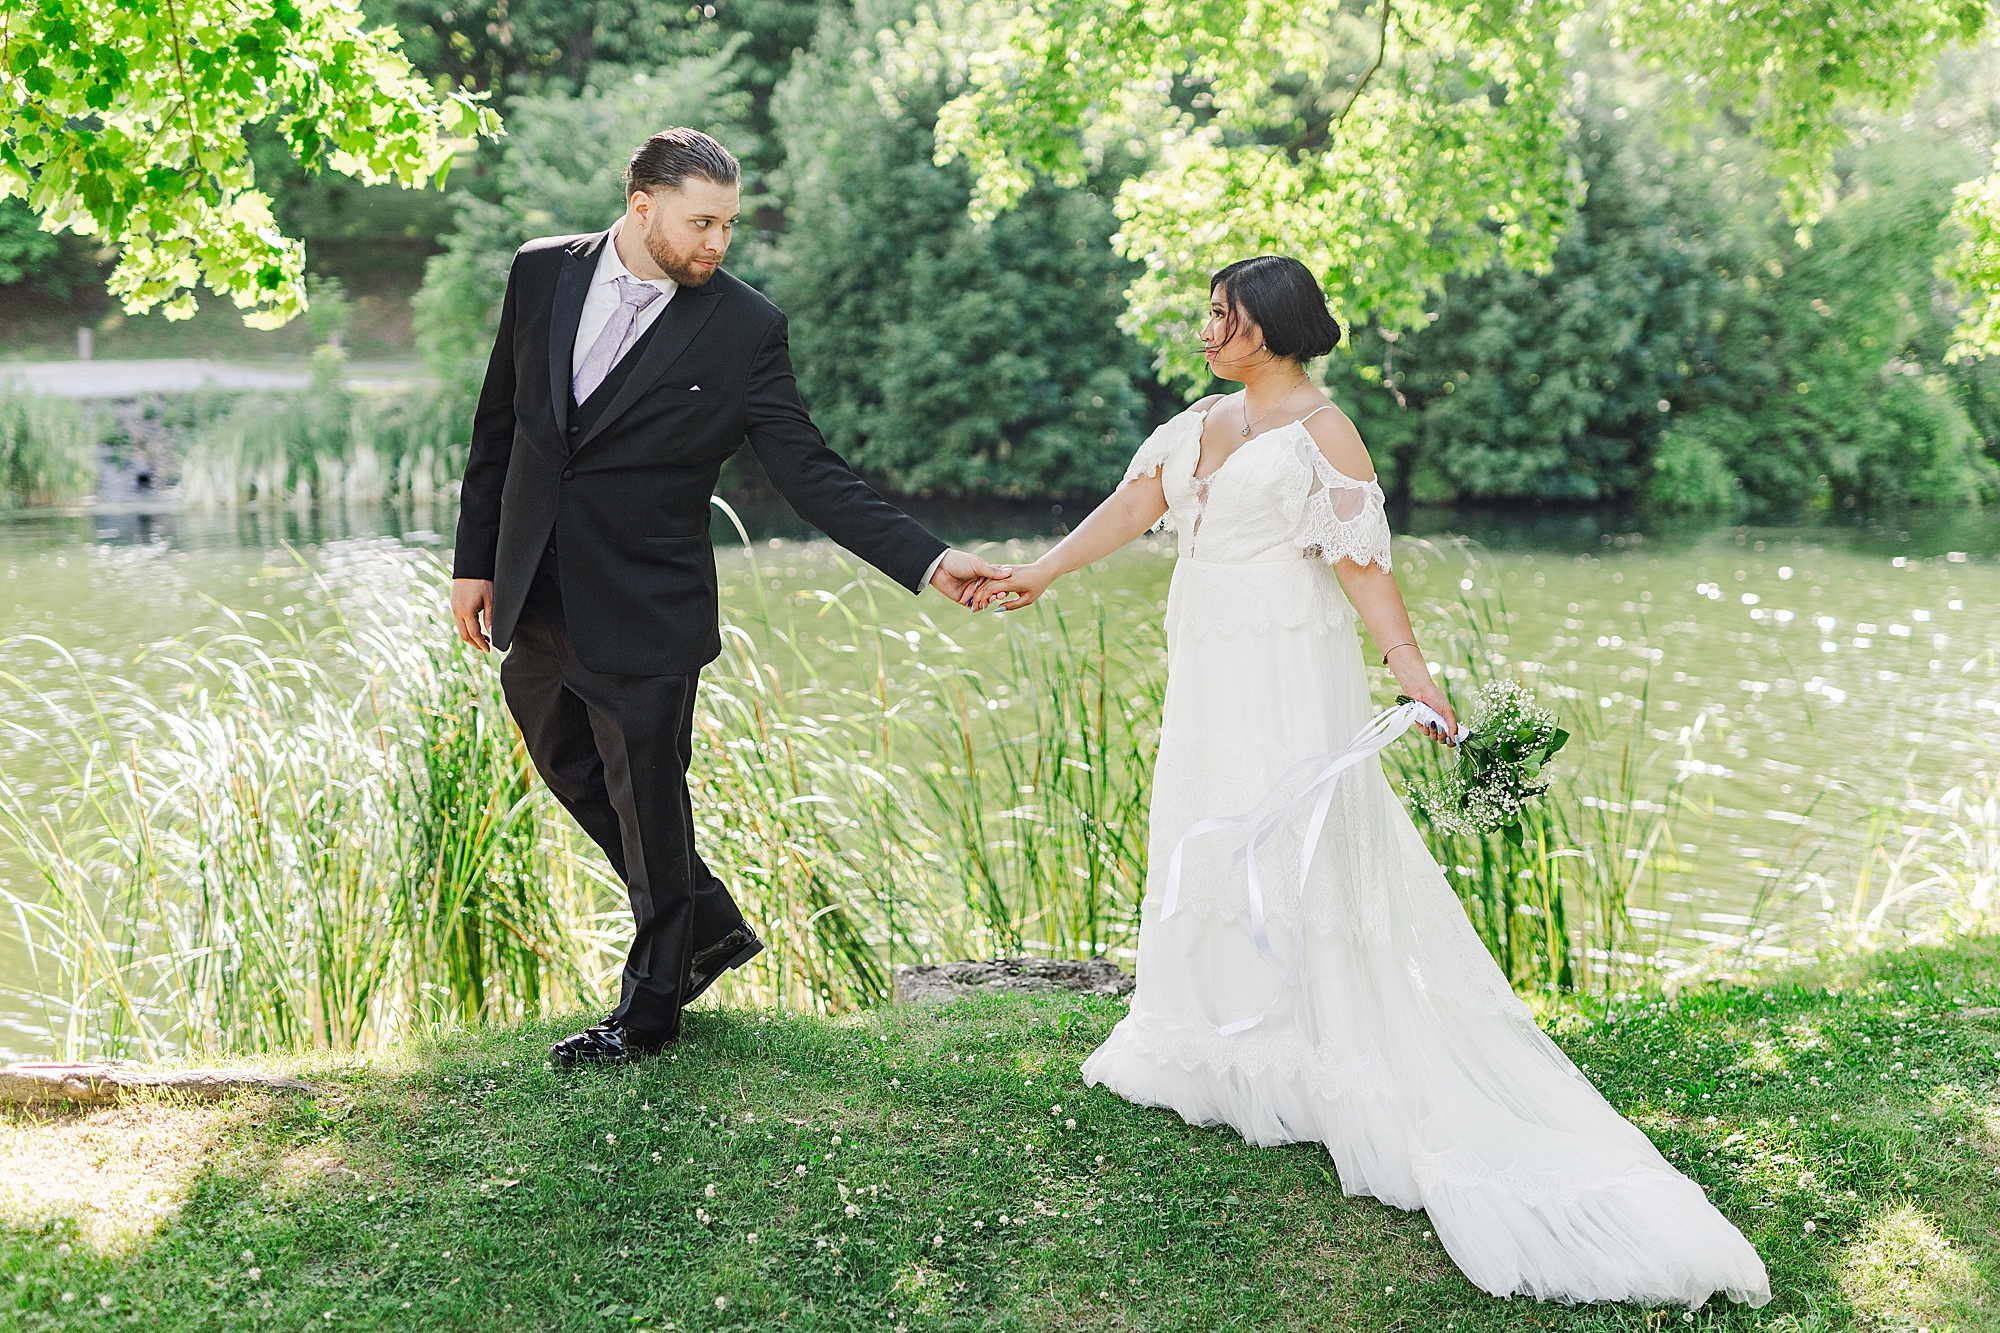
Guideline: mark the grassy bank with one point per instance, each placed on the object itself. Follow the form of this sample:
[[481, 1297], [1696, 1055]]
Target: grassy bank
[[944, 1168]]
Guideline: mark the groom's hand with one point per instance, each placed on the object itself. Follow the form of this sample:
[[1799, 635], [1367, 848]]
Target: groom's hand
[[960, 573], [472, 610]]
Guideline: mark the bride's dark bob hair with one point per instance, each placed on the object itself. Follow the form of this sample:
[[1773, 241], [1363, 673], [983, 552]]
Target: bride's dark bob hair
[[1281, 297]]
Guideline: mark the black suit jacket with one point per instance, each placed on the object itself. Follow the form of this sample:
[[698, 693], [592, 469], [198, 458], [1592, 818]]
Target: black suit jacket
[[625, 499]]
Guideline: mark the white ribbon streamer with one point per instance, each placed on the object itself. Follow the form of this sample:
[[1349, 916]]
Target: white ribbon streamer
[[1371, 739]]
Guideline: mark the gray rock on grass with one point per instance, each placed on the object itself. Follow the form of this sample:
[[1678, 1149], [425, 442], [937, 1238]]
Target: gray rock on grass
[[941, 982]]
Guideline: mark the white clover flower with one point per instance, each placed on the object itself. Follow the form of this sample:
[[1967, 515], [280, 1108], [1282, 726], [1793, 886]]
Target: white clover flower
[[709, 1192], [722, 1302], [800, 1169], [835, 1140], [854, 1210], [978, 1225]]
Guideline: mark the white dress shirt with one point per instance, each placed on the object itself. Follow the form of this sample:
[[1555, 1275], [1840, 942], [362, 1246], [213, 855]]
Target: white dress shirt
[[601, 302]]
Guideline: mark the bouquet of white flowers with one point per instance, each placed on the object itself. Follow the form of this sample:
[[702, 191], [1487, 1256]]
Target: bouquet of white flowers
[[1494, 776]]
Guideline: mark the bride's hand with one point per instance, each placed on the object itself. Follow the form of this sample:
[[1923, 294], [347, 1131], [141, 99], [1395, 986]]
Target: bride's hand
[[1414, 676], [1019, 589]]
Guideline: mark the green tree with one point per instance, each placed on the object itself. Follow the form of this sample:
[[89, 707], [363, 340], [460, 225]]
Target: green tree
[[561, 171], [1836, 389], [129, 123], [48, 264], [937, 354], [1661, 355], [1386, 144]]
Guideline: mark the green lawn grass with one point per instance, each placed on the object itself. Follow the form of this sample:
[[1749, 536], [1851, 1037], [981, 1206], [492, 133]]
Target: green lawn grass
[[945, 1168]]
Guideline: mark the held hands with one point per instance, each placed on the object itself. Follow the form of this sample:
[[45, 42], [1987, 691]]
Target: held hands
[[1017, 588], [472, 610], [1406, 663], [961, 574]]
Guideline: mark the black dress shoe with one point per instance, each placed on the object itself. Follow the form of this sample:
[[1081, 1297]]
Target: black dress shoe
[[606, 1043], [735, 949]]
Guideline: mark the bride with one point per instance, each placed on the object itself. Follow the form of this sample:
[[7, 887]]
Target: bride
[[1392, 1037]]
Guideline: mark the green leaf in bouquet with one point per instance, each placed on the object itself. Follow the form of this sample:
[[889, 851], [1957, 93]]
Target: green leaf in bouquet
[[1513, 832]]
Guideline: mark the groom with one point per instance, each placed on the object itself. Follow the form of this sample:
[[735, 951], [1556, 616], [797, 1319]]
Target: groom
[[628, 368]]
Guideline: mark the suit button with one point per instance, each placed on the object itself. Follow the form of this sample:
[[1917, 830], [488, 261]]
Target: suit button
[[576, 430], [568, 472]]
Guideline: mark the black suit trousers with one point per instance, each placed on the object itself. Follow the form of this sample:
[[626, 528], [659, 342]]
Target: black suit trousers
[[615, 751]]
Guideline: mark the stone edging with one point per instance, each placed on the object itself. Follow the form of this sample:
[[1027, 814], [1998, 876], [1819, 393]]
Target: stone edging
[[50, 1083]]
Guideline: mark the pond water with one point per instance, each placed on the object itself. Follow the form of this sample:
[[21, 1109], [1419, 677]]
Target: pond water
[[1794, 680]]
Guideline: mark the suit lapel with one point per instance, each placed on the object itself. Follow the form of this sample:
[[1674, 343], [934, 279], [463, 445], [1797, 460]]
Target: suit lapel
[[572, 285], [678, 325]]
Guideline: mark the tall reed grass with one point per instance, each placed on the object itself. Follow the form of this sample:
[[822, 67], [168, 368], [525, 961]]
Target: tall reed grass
[[1930, 872], [324, 831], [946, 807], [320, 838], [328, 443], [48, 448]]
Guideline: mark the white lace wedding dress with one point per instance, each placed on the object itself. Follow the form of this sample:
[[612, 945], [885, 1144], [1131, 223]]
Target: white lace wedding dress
[[1399, 1045]]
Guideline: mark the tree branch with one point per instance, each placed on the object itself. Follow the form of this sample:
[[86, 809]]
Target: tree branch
[[1381, 50]]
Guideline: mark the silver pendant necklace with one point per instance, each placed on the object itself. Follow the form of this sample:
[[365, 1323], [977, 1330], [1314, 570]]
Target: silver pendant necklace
[[1249, 425]]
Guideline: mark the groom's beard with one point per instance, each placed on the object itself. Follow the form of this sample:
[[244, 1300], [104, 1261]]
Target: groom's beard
[[680, 266]]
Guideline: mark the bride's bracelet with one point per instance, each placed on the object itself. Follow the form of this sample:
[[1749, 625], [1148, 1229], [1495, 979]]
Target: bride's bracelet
[[1385, 656]]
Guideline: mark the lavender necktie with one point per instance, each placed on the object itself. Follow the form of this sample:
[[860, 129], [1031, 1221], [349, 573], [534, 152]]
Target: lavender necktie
[[616, 338]]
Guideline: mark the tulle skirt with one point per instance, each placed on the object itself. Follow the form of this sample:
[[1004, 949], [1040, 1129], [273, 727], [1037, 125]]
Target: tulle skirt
[[1399, 1044]]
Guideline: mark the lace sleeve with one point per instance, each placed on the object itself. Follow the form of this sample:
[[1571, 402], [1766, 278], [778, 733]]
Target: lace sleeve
[[1162, 442], [1333, 517], [1153, 454]]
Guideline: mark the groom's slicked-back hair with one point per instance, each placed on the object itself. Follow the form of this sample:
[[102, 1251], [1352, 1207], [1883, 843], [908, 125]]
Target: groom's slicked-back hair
[[1279, 295], [668, 159]]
